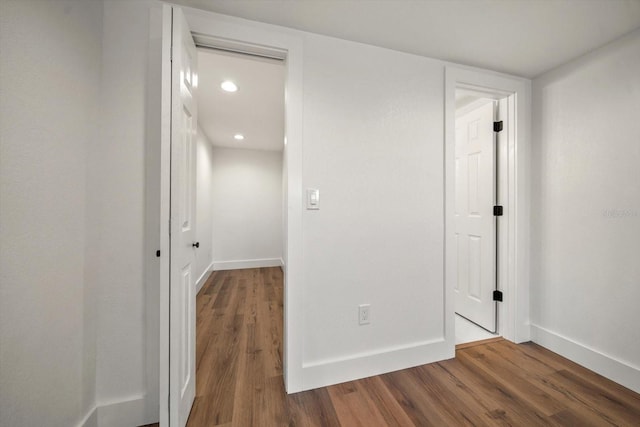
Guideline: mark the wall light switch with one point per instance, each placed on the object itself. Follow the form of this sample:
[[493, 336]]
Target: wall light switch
[[313, 199]]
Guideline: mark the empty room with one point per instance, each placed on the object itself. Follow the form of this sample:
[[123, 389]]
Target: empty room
[[319, 213]]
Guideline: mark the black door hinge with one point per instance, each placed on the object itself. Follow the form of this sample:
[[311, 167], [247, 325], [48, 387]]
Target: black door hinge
[[497, 211], [497, 296], [497, 126], [158, 253]]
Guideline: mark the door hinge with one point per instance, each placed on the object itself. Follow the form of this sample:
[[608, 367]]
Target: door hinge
[[497, 126], [497, 211], [497, 296]]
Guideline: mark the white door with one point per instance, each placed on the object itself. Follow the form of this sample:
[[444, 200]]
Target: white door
[[182, 316], [474, 221]]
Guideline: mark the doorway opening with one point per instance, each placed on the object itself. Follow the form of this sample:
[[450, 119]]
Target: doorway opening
[[241, 136], [477, 143], [184, 32], [241, 115], [486, 206]]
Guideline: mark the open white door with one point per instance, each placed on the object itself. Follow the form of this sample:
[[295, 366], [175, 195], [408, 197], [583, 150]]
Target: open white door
[[474, 221], [184, 79]]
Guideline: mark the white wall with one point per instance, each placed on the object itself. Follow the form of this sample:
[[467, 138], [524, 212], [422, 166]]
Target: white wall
[[50, 70], [116, 207], [373, 145], [204, 207], [247, 208], [586, 211]]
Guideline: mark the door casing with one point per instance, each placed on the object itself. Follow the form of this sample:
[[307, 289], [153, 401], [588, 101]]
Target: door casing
[[514, 95]]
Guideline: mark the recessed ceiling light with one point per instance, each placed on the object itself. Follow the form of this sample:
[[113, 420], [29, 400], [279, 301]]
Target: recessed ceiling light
[[229, 86], [238, 137]]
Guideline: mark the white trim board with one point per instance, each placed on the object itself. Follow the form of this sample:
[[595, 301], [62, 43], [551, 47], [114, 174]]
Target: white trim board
[[162, 125], [376, 362], [91, 419], [127, 412], [608, 366], [131, 412], [204, 277], [165, 196], [246, 263]]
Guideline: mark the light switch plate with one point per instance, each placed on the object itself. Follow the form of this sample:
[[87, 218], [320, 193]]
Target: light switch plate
[[313, 199]]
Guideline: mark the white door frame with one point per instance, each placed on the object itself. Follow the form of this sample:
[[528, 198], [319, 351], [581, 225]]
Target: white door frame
[[251, 37], [513, 241]]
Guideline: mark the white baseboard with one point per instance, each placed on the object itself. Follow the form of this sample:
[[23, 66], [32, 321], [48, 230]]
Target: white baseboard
[[91, 419], [616, 370], [246, 263], [325, 373], [125, 413], [203, 278]]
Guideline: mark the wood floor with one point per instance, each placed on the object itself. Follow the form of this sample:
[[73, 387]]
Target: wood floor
[[239, 377]]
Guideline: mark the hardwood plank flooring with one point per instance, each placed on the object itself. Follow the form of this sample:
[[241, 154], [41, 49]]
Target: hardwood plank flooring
[[239, 377]]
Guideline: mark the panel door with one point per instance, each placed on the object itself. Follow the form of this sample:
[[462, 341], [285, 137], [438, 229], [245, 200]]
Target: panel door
[[183, 180], [475, 227]]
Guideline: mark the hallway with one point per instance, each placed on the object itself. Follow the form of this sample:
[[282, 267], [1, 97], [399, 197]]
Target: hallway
[[238, 348]]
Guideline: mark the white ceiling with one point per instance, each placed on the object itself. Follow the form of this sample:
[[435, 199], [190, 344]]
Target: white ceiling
[[521, 37], [256, 110]]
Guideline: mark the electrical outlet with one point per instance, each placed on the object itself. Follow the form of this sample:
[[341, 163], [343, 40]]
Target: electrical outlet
[[364, 313]]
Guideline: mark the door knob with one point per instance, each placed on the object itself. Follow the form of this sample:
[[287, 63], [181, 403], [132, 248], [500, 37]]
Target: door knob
[[196, 245]]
